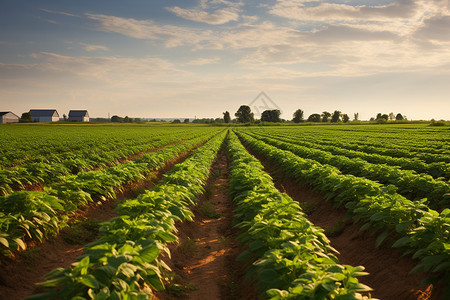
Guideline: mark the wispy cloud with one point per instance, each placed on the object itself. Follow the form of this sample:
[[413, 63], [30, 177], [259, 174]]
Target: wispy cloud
[[203, 61], [219, 16], [89, 47], [59, 13]]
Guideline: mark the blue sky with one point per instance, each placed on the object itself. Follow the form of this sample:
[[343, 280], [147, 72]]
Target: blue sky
[[200, 58]]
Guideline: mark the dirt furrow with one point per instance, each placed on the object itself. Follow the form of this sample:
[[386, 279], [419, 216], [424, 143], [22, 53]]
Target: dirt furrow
[[204, 260]]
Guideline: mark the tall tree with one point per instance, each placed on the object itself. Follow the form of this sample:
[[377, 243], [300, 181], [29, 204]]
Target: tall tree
[[325, 116], [355, 116], [399, 117], [298, 116], [244, 114], [345, 118], [391, 116], [226, 117], [314, 118], [26, 117], [271, 116], [336, 116]]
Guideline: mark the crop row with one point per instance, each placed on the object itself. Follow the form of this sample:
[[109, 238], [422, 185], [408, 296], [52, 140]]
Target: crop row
[[409, 183], [412, 226], [291, 258], [405, 143], [35, 215], [409, 137], [48, 171], [53, 144], [435, 169], [124, 263]]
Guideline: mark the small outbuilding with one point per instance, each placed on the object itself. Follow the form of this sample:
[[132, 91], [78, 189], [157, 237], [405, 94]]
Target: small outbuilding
[[79, 115], [44, 115], [8, 117]]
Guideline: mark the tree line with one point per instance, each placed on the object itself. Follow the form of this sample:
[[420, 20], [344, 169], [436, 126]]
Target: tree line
[[245, 115]]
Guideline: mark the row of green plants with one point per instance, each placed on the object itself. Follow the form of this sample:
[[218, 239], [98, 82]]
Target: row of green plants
[[427, 146], [30, 215], [403, 144], [435, 169], [124, 263], [289, 256], [38, 143], [406, 138], [409, 183], [57, 165], [408, 225]]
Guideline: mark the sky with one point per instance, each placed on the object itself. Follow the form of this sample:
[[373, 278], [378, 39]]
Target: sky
[[200, 58]]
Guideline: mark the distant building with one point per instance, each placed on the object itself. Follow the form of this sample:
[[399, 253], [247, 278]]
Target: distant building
[[8, 117], [79, 115], [44, 115]]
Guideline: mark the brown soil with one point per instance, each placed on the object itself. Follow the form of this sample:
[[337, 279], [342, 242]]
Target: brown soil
[[389, 270], [20, 273], [204, 259]]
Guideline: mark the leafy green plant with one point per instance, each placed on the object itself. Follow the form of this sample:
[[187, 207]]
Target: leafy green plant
[[289, 256]]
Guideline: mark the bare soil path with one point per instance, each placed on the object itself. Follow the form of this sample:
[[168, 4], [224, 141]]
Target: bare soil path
[[20, 273], [205, 257], [389, 270]]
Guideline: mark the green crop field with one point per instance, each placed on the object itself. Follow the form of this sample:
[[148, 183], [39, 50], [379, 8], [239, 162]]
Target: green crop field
[[392, 181]]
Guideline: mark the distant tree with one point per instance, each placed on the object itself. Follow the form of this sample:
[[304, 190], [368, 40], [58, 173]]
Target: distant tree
[[382, 116], [355, 116], [226, 117], [176, 121], [127, 119], [116, 119], [298, 116], [244, 114], [372, 119], [271, 116], [325, 116], [26, 117], [345, 118], [186, 121], [314, 118], [64, 117], [399, 117], [391, 116], [336, 116]]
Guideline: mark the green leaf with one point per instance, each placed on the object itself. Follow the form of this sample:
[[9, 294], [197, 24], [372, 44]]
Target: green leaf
[[89, 281], [381, 238], [4, 242], [149, 253], [402, 242]]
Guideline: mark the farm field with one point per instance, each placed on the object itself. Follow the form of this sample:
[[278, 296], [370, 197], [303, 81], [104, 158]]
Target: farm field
[[197, 212]]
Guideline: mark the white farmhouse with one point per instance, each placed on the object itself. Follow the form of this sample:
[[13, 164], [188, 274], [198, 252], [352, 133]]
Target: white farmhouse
[[8, 117], [79, 115], [44, 115]]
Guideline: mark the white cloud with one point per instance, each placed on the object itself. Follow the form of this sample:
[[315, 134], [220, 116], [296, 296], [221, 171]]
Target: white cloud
[[89, 47], [59, 13], [216, 16], [203, 61], [324, 11], [172, 35], [435, 28], [219, 16]]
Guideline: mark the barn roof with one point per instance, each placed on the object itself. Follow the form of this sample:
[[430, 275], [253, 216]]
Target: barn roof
[[43, 112], [78, 113], [6, 112]]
